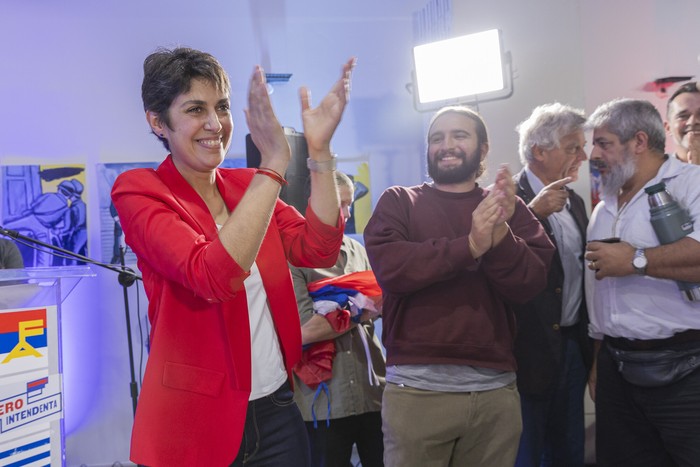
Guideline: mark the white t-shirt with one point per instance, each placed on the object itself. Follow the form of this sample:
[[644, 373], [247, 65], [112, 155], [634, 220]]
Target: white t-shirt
[[267, 364]]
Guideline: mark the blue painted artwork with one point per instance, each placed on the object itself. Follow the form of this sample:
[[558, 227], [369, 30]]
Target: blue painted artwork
[[46, 203]]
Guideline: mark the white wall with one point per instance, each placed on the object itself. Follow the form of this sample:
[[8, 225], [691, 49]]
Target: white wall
[[70, 75], [544, 39]]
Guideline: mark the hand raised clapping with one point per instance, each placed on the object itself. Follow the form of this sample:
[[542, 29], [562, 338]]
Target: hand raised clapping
[[320, 122], [265, 129], [489, 219]]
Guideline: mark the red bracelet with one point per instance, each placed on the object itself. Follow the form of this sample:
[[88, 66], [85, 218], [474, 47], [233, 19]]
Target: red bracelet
[[273, 174]]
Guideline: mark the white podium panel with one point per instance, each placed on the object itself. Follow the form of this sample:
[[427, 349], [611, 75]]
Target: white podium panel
[[31, 389]]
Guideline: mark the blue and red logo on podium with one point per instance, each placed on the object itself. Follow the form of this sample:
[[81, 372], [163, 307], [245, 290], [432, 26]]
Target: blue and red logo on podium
[[23, 341], [31, 397]]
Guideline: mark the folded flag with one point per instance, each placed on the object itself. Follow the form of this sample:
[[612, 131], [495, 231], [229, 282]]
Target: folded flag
[[340, 300]]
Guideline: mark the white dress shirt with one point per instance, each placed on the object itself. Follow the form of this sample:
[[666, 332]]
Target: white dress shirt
[[635, 306], [570, 248]]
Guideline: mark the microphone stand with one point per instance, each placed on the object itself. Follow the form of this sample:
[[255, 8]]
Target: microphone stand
[[126, 278]]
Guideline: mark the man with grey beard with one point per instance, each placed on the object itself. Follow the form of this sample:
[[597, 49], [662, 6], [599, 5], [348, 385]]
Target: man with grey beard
[[645, 381]]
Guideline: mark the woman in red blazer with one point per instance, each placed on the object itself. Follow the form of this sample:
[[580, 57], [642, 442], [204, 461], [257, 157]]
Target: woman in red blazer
[[213, 246]]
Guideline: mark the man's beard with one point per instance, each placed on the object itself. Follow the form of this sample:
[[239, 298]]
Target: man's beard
[[618, 175], [467, 170]]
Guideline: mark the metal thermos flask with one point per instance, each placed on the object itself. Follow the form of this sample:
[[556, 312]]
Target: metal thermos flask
[[671, 223]]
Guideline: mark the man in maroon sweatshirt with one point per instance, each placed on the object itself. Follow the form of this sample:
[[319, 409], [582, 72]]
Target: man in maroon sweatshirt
[[451, 259]]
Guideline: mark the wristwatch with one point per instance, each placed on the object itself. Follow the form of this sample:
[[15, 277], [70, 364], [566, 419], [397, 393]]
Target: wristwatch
[[639, 262], [322, 166]]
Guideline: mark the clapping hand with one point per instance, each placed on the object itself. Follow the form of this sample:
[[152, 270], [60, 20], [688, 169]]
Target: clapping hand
[[505, 185], [320, 122], [489, 219], [265, 129]]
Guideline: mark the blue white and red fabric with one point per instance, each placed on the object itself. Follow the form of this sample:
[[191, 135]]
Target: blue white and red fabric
[[330, 298], [363, 281], [341, 301]]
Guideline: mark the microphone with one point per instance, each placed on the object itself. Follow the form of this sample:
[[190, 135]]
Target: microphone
[[8, 232]]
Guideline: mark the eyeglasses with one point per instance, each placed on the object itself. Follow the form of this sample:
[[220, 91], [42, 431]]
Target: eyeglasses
[[572, 150]]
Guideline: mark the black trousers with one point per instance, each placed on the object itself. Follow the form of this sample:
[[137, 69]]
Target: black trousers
[[646, 427], [331, 446]]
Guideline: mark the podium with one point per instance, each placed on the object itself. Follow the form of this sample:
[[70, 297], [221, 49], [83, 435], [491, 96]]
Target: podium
[[31, 368]]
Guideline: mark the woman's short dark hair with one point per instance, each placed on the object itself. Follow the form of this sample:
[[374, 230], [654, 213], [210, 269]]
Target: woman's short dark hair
[[167, 73]]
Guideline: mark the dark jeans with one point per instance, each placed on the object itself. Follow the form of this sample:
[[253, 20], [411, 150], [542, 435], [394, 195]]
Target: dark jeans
[[331, 446], [553, 424], [274, 434], [646, 427]]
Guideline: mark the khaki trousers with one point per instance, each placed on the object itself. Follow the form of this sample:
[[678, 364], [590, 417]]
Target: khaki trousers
[[457, 429]]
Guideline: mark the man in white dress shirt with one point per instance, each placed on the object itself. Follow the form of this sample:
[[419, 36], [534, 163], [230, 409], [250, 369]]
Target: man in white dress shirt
[[646, 387]]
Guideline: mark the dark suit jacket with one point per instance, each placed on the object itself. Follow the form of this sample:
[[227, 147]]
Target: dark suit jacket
[[538, 342]]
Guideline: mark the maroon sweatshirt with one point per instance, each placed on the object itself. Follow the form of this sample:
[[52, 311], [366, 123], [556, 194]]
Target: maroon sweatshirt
[[440, 305]]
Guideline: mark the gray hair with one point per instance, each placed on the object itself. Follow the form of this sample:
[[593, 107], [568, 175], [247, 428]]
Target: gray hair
[[546, 126], [342, 179], [625, 117]]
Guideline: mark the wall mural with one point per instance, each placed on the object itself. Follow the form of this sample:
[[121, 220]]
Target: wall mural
[[46, 203]]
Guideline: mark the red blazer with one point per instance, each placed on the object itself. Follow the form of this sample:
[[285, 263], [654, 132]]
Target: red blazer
[[193, 402]]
